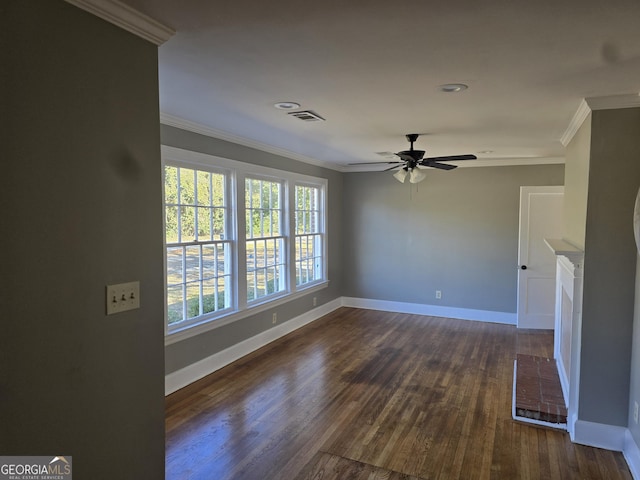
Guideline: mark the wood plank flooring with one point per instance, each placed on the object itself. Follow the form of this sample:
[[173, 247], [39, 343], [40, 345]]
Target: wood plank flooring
[[394, 395]]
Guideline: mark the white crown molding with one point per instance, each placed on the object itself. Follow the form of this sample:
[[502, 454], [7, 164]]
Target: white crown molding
[[183, 124], [188, 125], [576, 122], [614, 101], [127, 18], [587, 105], [481, 162]]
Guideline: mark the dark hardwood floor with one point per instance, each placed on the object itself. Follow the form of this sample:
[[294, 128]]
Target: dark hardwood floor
[[363, 394]]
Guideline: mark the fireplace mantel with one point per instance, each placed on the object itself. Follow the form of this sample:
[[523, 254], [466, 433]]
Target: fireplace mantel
[[563, 248]]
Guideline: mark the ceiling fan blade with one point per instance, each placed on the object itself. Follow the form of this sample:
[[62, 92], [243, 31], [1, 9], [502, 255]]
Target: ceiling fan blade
[[405, 157], [374, 163], [400, 164], [441, 166], [451, 158]]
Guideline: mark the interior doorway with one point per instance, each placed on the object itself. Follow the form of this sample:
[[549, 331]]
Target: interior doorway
[[541, 216]]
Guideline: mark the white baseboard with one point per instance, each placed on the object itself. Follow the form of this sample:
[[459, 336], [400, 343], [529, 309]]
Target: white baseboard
[[600, 435], [632, 454], [431, 310], [183, 377]]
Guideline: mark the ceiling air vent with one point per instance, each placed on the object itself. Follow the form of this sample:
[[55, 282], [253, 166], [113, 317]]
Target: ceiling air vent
[[307, 116]]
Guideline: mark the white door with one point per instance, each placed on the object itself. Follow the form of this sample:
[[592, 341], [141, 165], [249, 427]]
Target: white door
[[541, 210]]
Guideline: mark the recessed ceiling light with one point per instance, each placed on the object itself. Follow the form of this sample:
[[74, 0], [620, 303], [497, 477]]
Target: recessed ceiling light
[[287, 105], [453, 87]]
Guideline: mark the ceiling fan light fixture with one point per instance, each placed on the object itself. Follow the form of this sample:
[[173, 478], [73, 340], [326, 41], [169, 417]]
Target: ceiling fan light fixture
[[416, 175], [400, 175]]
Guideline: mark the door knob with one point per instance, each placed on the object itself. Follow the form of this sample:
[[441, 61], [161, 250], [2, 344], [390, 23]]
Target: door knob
[[523, 267]]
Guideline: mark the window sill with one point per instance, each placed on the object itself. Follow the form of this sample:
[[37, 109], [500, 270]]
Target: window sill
[[207, 325]]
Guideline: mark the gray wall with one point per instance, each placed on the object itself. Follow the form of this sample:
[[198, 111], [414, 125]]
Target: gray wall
[[609, 266], [80, 196], [186, 352], [634, 388], [576, 183], [456, 232]]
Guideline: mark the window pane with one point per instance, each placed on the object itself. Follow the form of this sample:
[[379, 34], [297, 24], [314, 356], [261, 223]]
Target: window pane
[[204, 224], [171, 184], [174, 265], [260, 282], [263, 214], [313, 222], [251, 256], [208, 261], [249, 223], [171, 224], [187, 224], [251, 286], [204, 188], [187, 186], [219, 224], [271, 280], [218, 193], [174, 304], [261, 253], [209, 296], [193, 299], [192, 263]]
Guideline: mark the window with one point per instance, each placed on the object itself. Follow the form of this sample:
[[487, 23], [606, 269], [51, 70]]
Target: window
[[198, 252], [239, 238], [265, 242], [308, 234]]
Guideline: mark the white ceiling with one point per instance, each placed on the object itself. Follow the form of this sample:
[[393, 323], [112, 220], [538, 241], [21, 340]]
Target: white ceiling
[[372, 70]]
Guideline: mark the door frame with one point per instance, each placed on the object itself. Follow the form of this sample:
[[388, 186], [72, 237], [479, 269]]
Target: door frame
[[523, 248]]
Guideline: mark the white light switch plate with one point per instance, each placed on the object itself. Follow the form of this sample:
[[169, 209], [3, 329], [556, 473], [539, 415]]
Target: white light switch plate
[[123, 297]]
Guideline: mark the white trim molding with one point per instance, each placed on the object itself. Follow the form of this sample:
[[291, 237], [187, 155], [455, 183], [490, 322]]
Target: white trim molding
[[631, 454], [587, 105], [600, 435], [127, 18], [431, 310], [191, 373], [194, 127], [576, 122], [181, 378], [480, 162]]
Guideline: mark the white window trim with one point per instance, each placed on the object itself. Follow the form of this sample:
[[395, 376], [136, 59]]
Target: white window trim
[[237, 172], [322, 223]]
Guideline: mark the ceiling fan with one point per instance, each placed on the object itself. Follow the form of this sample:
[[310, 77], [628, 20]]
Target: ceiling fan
[[411, 159]]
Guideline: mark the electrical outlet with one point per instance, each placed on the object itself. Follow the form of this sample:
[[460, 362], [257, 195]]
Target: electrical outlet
[[635, 412], [274, 319], [438, 294], [315, 301], [122, 297]]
